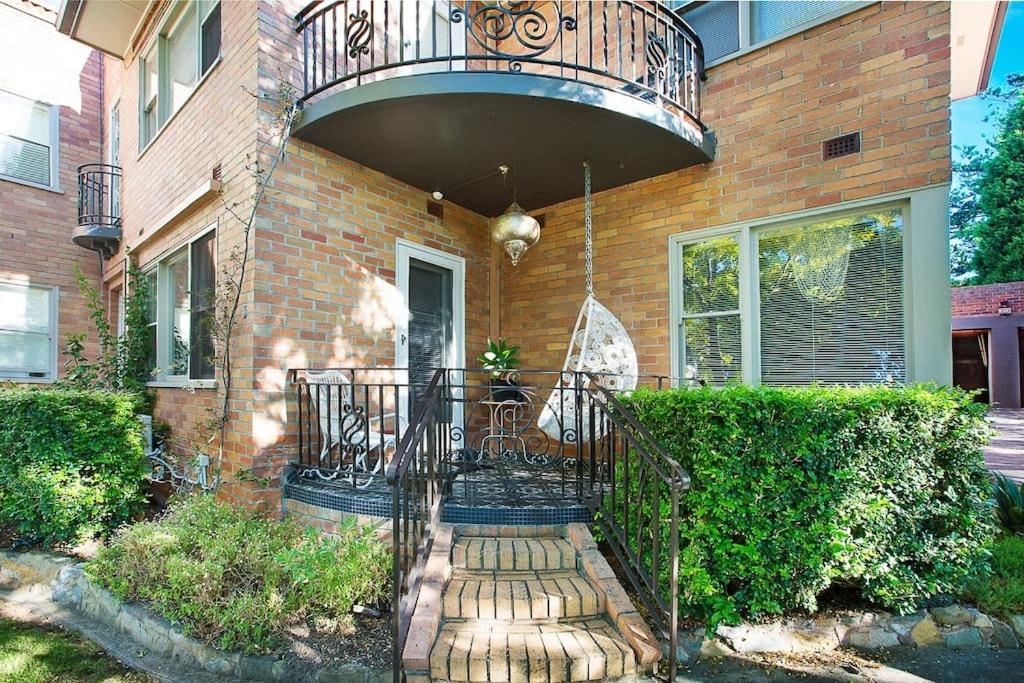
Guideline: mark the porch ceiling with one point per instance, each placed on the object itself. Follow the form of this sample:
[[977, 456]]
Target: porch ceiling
[[435, 131]]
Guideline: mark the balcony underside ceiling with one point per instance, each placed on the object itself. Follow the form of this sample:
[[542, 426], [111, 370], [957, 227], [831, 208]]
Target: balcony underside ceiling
[[437, 130]]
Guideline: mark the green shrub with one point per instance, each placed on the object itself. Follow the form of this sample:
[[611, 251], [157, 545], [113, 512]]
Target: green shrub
[[1009, 497], [238, 580], [1001, 592], [71, 462], [882, 490]]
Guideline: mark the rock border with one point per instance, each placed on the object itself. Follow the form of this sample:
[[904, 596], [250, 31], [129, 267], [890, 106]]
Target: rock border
[[71, 589], [954, 627]]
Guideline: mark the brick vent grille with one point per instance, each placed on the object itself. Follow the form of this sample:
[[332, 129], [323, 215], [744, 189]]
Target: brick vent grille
[[435, 209], [840, 146]]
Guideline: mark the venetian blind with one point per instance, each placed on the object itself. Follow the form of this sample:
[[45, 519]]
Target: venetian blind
[[25, 145], [717, 25], [831, 302], [770, 19]]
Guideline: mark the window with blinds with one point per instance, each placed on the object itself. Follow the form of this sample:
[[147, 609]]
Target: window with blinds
[[831, 301], [710, 324], [27, 331], [717, 24], [26, 140], [775, 17]]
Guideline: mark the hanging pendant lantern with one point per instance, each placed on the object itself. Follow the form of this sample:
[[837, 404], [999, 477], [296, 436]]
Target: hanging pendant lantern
[[515, 231]]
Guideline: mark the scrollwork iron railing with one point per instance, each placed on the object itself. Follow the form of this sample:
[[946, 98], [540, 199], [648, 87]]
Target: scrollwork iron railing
[[641, 48], [99, 195]]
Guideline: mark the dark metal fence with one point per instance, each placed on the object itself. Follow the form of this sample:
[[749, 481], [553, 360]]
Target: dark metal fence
[[99, 195], [467, 438], [642, 48]]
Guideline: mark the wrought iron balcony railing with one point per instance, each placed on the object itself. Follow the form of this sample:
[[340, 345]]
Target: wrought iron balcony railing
[[99, 208], [640, 48], [99, 195]]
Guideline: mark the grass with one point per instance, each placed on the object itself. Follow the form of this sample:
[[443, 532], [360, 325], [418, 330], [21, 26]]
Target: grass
[[1002, 593], [30, 653]]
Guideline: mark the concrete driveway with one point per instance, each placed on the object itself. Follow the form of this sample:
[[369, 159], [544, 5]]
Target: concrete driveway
[[1006, 451]]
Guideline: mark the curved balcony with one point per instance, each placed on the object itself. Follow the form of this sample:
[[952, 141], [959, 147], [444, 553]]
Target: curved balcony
[[99, 208], [435, 93]]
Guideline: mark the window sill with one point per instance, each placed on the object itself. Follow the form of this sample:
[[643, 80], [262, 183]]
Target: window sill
[[26, 380], [167, 123], [187, 384], [56, 189]]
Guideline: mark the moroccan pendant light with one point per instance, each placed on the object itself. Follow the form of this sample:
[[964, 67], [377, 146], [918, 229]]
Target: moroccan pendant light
[[514, 230]]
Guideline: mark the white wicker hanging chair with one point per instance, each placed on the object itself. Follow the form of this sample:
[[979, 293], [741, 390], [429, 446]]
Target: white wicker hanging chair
[[599, 345]]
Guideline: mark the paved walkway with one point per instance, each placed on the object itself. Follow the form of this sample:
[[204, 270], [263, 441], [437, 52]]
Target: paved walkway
[[1006, 451]]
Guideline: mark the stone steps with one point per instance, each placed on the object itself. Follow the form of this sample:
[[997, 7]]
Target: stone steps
[[513, 605], [481, 553], [541, 598], [577, 650]]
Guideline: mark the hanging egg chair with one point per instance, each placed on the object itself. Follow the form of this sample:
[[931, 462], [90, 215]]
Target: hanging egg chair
[[599, 345]]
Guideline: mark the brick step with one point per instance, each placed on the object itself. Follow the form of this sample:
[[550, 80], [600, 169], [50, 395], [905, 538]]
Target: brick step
[[542, 598], [477, 553], [578, 650]]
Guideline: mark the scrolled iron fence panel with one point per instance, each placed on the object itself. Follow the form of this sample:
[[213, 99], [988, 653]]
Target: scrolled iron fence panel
[[99, 195], [641, 48]]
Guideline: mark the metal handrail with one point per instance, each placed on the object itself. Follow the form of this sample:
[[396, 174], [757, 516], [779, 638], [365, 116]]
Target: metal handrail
[[99, 195], [416, 498], [644, 49]]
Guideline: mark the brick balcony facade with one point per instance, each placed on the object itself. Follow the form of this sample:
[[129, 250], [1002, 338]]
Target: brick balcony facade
[[321, 290]]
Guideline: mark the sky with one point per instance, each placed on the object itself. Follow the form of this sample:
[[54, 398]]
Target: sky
[[969, 127]]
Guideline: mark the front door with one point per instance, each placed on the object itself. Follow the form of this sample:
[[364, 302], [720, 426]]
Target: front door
[[431, 283]]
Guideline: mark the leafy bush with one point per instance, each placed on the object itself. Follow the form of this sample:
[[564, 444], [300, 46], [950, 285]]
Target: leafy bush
[[882, 490], [71, 462], [1009, 503], [238, 580], [1002, 591]]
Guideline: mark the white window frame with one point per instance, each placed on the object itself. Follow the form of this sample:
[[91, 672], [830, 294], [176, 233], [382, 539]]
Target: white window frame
[[54, 332], [746, 233], [158, 48], [165, 313], [54, 185], [744, 28]]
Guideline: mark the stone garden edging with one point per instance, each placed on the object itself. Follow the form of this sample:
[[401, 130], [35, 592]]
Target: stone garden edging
[[953, 627], [71, 589]]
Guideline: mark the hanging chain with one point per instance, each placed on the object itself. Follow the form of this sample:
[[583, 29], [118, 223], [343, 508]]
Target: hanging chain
[[588, 230]]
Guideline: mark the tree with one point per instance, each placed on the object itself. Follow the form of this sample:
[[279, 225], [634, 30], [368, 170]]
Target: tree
[[987, 209]]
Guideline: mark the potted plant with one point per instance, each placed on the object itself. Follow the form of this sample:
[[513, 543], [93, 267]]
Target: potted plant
[[501, 359]]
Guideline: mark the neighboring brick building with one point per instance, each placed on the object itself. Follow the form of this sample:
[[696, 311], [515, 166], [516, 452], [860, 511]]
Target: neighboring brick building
[[988, 342], [49, 124], [733, 174]]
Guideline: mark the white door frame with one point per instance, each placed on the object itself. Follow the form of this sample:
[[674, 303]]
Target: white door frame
[[404, 251]]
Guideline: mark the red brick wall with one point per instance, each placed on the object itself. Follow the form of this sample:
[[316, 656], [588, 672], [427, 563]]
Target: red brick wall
[[985, 299], [36, 224], [883, 70]]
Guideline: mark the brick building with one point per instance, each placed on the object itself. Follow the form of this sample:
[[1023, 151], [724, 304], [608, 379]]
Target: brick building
[[49, 125], [723, 192], [988, 341], [770, 193]]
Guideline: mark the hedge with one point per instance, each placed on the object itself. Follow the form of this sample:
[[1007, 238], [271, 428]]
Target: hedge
[[795, 490], [72, 463]]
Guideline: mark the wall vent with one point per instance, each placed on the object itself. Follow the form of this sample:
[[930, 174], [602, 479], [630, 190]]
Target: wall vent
[[215, 172], [840, 146], [435, 209]]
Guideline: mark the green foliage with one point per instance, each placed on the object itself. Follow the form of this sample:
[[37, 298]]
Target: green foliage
[[988, 207], [1009, 503], [73, 462], [123, 363], [1001, 592], [500, 357], [882, 490], [37, 653], [238, 580]]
